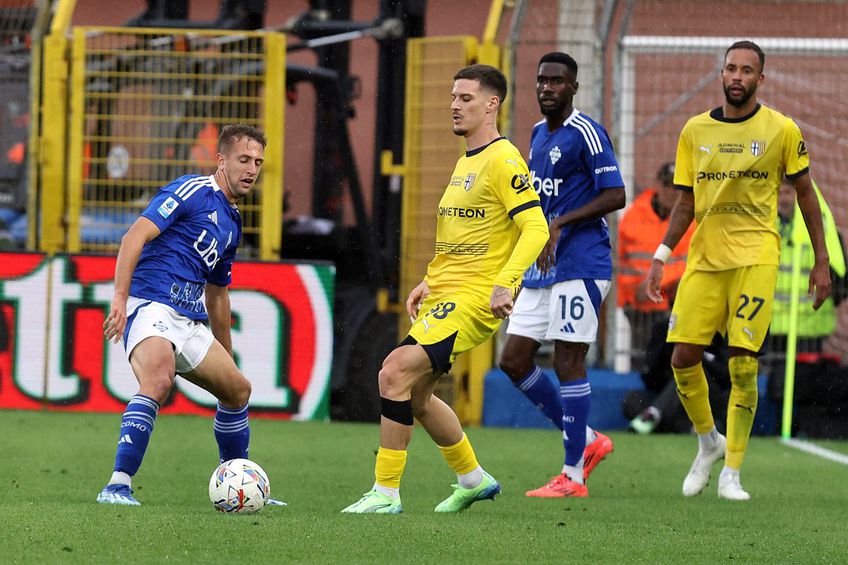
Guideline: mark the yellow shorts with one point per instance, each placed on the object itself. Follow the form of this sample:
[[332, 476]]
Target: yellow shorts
[[448, 324], [737, 302]]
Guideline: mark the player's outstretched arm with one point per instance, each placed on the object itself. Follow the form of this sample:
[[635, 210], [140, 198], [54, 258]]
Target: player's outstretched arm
[[220, 316], [413, 301], [681, 216], [808, 202], [141, 232]]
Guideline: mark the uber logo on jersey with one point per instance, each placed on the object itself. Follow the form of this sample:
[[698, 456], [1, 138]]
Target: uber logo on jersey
[[210, 254]]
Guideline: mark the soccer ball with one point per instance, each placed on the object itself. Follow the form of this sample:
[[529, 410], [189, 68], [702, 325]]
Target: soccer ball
[[239, 486]]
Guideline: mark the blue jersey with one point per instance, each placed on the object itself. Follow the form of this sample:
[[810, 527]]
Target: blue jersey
[[199, 233], [569, 168]]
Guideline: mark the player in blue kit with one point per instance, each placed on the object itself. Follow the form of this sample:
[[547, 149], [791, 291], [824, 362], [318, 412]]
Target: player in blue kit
[[574, 170], [172, 273]]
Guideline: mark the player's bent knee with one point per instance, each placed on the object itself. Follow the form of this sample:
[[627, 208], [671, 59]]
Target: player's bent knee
[[685, 356], [156, 386], [515, 367], [510, 367], [237, 393], [393, 381], [396, 378]]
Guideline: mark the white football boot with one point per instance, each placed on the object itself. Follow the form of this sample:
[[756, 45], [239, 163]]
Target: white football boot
[[699, 474]]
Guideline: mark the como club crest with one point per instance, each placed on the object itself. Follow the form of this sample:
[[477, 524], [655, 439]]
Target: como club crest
[[758, 147]]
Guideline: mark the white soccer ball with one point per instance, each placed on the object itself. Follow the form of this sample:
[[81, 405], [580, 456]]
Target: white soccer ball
[[239, 486]]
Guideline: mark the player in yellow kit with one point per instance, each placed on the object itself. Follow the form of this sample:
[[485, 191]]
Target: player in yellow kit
[[730, 164], [490, 228]]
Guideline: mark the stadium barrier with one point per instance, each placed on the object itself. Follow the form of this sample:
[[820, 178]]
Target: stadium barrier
[[504, 406], [130, 109], [53, 354]]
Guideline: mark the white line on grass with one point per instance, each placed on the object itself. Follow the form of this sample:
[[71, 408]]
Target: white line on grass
[[816, 450]]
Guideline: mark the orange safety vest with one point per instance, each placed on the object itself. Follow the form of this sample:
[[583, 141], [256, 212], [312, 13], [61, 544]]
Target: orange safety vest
[[639, 233]]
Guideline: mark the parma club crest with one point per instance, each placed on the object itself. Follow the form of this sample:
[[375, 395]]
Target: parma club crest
[[758, 147], [469, 181]]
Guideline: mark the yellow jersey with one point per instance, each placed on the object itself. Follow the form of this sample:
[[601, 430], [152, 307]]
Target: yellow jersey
[[488, 197], [735, 167]]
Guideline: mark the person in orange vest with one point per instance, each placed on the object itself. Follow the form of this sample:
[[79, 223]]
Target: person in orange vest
[[640, 230]]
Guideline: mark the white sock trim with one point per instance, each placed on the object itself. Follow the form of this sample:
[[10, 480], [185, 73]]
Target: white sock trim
[[394, 493], [120, 478], [471, 479]]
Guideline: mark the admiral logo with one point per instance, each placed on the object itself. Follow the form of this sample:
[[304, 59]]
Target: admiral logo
[[758, 147], [520, 183], [731, 148], [802, 148], [546, 186], [724, 175], [456, 181], [555, 154], [452, 211], [469, 181]]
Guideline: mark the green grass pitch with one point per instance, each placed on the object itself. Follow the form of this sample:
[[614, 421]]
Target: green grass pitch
[[55, 464]]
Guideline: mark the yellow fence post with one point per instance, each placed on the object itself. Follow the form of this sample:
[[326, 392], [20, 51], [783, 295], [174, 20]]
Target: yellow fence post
[[75, 142], [53, 143], [271, 222]]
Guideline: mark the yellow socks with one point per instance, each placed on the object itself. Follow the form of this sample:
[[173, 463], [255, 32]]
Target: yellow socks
[[695, 395], [460, 456], [389, 467], [741, 407]]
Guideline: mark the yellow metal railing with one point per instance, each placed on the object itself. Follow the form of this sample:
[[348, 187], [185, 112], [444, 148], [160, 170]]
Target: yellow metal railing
[[145, 106]]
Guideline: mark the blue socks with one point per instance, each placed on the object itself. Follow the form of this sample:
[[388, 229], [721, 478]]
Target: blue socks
[[232, 432], [543, 393], [575, 415], [136, 427]]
